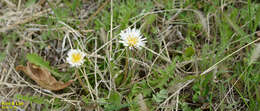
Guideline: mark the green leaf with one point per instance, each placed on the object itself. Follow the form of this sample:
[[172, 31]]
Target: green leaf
[[189, 52], [235, 26], [30, 3], [2, 56], [115, 107], [257, 17], [150, 18], [85, 99], [114, 102], [159, 80], [33, 99], [37, 60], [159, 97], [101, 101], [75, 4], [115, 98]]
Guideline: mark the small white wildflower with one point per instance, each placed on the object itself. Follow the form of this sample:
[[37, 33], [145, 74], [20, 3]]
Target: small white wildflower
[[75, 57], [132, 38]]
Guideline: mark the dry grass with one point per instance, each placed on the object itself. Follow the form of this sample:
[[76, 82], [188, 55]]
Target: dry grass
[[131, 79]]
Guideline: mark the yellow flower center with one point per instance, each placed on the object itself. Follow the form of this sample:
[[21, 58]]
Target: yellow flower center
[[132, 41], [76, 57]]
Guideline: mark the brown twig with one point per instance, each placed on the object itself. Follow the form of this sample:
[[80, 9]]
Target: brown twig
[[31, 18]]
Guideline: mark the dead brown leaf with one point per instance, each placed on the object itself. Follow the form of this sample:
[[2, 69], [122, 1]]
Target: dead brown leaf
[[42, 77]]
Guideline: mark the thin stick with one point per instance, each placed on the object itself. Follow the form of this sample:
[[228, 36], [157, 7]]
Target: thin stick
[[126, 67], [177, 103], [111, 26], [37, 15], [80, 81], [89, 86], [110, 50], [212, 67], [209, 69], [19, 5], [95, 72], [164, 58], [177, 92], [231, 89]]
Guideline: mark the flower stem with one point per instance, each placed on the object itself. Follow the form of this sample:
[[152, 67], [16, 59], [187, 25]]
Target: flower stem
[[126, 67], [80, 81]]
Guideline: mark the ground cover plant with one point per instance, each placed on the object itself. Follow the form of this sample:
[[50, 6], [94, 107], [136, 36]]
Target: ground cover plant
[[129, 55]]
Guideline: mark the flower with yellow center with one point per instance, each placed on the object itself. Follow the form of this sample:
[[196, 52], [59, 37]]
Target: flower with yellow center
[[132, 38], [75, 57]]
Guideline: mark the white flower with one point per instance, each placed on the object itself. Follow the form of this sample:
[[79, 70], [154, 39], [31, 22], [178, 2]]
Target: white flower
[[75, 57], [132, 38]]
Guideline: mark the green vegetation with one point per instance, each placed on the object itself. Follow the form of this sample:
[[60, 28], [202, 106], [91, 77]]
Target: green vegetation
[[205, 49]]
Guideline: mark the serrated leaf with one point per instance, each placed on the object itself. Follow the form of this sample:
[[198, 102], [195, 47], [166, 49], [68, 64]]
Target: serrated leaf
[[162, 95], [37, 60]]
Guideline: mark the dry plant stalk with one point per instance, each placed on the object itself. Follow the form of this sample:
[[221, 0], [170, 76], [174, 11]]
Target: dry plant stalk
[[256, 51], [42, 77], [141, 103], [28, 19]]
